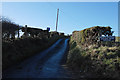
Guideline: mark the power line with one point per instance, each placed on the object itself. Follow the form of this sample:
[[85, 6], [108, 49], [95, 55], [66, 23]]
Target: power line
[[53, 6]]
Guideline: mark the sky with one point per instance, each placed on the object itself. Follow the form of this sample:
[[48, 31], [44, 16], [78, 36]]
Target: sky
[[72, 15]]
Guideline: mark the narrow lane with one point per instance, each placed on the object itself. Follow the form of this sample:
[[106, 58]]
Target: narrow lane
[[44, 65], [52, 67]]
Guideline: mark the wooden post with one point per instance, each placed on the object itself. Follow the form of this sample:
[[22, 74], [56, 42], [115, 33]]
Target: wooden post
[[18, 32], [25, 30], [57, 19]]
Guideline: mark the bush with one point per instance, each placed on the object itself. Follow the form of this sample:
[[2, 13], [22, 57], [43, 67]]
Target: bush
[[9, 29], [16, 51], [102, 59]]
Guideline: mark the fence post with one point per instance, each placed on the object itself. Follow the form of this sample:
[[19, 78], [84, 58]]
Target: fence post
[[18, 31], [25, 30]]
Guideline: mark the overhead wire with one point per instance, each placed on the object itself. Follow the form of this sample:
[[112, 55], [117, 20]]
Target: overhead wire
[[71, 17], [61, 11]]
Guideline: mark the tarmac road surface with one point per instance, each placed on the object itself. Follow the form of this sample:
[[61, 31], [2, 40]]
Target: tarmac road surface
[[47, 64]]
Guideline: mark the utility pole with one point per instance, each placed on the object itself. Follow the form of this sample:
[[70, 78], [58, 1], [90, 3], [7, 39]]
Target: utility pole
[[57, 19]]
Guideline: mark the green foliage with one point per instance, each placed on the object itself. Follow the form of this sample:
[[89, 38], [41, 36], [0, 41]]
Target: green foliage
[[104, 61], [15, 51], [90, 35], [73, 45], [86, 32]]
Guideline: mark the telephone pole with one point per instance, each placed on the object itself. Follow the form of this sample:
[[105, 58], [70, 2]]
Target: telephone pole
[[57, 19]]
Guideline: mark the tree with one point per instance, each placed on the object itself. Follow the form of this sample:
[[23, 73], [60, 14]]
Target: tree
[[9, 29]]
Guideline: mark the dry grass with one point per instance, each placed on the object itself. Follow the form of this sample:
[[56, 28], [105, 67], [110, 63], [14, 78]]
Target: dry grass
[[117, 39], [104, 61]]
